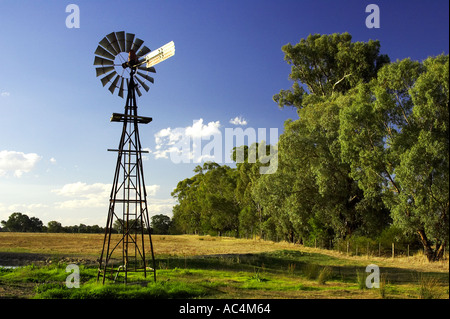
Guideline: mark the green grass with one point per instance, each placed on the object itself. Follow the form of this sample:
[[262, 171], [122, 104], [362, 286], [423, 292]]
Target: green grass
[[278, 274], [145, 290], [35, 274]]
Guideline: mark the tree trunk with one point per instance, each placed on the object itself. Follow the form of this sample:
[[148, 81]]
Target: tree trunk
[[291, 236], [432, 254]]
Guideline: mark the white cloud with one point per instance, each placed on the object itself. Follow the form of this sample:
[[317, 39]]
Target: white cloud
[[80, 189], [167, 137], [53, 160], [198, 129], [161, 206], [17, 162], [152, 189], [5, 94], [25, 207], [90, 195], [84, 195], [238, 120], [179, 140], [146, 157]]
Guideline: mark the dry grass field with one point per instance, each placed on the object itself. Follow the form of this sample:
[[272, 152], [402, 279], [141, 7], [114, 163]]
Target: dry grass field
[[89, 246]]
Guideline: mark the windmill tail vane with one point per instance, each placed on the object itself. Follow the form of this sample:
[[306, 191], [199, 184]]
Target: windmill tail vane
[[161, 54]]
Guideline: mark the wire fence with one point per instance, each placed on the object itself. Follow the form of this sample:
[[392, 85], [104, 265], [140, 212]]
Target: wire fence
[[373, 248]]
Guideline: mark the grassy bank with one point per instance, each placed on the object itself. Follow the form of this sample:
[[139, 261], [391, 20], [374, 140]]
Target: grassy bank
[[209, 267]]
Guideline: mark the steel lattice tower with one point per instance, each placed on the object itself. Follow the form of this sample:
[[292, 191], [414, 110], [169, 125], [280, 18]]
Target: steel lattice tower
[[128, 203]]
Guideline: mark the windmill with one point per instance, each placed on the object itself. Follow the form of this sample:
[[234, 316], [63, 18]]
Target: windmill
[[124, 64]]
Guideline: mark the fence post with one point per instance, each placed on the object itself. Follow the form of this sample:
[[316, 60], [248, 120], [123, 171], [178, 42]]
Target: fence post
[[393, 250], [408, 250], [367, 250], [379, 249], [347, 246]]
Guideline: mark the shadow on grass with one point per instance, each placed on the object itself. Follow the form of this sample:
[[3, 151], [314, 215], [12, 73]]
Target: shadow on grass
[[293, 262]]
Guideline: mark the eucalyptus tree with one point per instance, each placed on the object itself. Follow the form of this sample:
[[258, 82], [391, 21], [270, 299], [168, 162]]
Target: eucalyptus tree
[[394, 134], [320, 196], [206, 201]]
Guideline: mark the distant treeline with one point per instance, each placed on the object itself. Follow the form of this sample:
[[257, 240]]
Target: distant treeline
[[367, 156], [18, 222]]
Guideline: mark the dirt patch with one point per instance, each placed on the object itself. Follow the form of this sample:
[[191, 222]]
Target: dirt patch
[[23, 259], [17, 290]]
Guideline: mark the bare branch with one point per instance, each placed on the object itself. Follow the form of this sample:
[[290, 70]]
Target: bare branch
[[343, 78]]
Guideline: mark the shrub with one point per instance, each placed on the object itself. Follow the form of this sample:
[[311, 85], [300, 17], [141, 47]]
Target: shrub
[[361, 278], [382, 289], [395, 235], [311, 271], [361, 244], [428, 287], [325, 274]]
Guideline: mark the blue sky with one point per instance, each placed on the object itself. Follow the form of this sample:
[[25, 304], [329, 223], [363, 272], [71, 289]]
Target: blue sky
[[54, 112]]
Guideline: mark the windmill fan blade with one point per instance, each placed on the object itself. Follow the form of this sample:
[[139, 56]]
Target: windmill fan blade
[[145, 86], [121, 40], [137, 90], [121, 88], [129, 42], [137, 44], [145, 76], [113, 40], [101, 61], [113, 85], [108, 78], [150, 69], [143, 51], [103, 70], [105, 43], [103, 53]]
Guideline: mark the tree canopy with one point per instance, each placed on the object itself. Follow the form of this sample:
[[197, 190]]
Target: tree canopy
[[18, 222], [368, 153], [394, 134]]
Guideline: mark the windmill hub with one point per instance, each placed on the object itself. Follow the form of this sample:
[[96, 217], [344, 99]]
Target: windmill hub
[[132, 60]]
